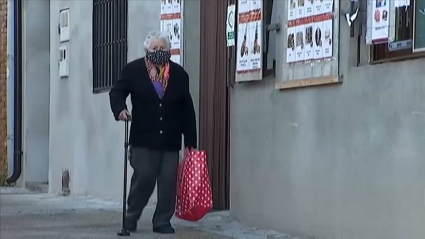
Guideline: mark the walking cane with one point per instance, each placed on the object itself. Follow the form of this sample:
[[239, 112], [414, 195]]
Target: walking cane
[[123, 231]]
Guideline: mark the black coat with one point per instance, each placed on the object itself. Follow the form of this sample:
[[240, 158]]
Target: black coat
[[156, 123]]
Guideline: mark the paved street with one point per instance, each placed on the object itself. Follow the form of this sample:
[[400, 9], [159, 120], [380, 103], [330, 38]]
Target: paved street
[[28, 215]]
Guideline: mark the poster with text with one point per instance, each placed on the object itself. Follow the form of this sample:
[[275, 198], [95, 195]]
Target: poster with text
[[292, 9], [309, 8], [175, 33], [380, 23], [171, 24], [301, 9], [254, 43], [318, 38], [290, 49], [163, 7], [309, 45], [327, 37], [176, 6], [318, 7], [249, 45], [299, 42], [328, 6], [242, 63]]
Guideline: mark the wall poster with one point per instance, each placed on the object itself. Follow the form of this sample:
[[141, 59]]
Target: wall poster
[[311, 46], [249, 43], [171, 23], [310, 31]]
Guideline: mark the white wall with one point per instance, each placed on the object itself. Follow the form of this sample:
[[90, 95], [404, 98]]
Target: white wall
[[36, 91], [84, 137]]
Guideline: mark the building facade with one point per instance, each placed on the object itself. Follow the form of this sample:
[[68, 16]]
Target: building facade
[[3, 96], [323, 149]]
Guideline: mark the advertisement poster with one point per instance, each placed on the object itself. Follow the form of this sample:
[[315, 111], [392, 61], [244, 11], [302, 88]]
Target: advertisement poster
[[309, 37], [171, 24], [249, 46], [380, 23]]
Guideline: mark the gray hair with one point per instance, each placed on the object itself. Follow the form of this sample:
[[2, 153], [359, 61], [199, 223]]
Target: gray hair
[[157, 35]]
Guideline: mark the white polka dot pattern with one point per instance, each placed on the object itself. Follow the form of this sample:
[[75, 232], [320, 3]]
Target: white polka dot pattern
[[194, 195]]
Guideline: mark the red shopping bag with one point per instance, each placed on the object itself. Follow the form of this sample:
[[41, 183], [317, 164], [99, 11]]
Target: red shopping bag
[[194, 196]]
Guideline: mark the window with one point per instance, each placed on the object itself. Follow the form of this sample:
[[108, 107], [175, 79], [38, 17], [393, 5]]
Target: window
[[109, 42], [409, 33]]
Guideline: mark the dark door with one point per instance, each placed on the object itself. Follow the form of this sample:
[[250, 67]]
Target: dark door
[[214, 101]]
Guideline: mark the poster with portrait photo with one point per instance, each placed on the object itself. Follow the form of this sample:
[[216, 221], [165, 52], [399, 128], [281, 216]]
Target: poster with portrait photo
[[301, 9], [242, 58], [309, 44], [169, 7], [299, 43], [327, 27], [163, 7], [292, 9], [318, 38], [380, 23], [255, 30], [328, 6], [318, 7], [176, 6], [290, 48], [175, 33], [309, 8]]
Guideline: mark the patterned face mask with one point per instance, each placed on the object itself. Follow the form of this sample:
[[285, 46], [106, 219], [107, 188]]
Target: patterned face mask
[[158, 57]]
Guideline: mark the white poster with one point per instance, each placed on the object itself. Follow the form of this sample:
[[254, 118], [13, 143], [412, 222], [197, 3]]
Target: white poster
[[299, 43], [318, 39], [380, 23], [230, 25], [171, 24], [249, 45], [301, 9], [327, 38], [290, 50], [309, 8], [292, 8], [318, 7], [309, 45], [176, 6]]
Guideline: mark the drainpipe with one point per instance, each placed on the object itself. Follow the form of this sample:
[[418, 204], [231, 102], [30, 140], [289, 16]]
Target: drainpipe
[[14, 90], [10, 84]]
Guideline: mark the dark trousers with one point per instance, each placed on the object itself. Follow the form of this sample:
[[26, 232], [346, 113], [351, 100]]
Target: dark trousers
[[150, 167]]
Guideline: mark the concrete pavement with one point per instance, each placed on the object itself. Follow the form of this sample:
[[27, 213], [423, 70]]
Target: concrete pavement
[[27, 215]]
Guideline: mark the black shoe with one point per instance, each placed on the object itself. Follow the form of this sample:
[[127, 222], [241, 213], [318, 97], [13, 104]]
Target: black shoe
[[164, 229], [131, 226]]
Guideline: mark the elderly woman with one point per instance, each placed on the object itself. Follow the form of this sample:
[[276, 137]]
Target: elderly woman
[[162, 111]]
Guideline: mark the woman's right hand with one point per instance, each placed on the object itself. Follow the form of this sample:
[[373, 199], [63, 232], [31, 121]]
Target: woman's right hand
[[124, 115]]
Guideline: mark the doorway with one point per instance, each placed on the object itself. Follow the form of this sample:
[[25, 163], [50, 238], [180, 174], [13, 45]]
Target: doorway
[[214, 99], [36, 93]]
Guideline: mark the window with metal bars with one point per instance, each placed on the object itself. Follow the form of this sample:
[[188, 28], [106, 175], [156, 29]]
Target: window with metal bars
[[110, 20]]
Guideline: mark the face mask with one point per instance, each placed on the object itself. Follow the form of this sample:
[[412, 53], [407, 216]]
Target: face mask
[[158, 57]]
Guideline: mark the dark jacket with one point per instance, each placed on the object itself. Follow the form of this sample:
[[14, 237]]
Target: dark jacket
[[156, 123]]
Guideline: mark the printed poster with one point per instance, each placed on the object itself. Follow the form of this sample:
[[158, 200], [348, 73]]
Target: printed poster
[[380, 23], [290, 51], [309, 45], [318, 7], [318, 38], [299, 43], [249, 45], [327, 26], [292, 9], [171, 24]]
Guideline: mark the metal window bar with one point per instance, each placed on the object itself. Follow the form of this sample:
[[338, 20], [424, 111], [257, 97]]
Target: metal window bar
[[110, 21]]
